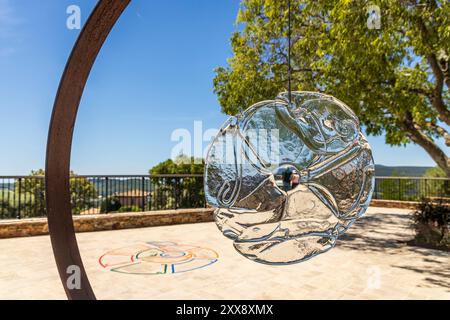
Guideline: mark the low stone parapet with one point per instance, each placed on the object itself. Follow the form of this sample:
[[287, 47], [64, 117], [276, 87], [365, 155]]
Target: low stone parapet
[[412, 205], [115, 221], [111, 221]]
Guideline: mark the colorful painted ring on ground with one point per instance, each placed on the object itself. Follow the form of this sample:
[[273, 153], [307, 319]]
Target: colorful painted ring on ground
[[158, 258]]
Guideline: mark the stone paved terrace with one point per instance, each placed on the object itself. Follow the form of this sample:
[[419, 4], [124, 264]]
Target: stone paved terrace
[[371, 262]]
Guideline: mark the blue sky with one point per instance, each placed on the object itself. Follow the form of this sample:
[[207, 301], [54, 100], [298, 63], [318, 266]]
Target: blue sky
[[154, 75]]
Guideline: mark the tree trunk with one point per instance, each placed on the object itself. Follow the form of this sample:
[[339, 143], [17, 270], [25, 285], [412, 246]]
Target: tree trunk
[[437, 101], [435, 152]]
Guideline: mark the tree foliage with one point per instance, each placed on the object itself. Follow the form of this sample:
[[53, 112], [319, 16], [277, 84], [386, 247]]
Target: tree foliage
[[82, 193], [181, 192], [110, 204], [7, 208], [395, 78], [438, 188], [180, 165], [435, 172]]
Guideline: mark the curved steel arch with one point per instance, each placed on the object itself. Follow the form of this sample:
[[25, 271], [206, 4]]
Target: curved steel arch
[[59, 144]]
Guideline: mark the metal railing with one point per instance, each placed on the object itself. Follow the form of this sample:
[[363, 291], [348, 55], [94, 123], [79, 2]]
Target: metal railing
[[24, 196], [411, 188]]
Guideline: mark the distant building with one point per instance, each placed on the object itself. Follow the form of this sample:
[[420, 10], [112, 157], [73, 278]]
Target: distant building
[[90, 211], [133, 198]]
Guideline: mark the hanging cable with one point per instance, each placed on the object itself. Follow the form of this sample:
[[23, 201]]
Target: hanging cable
[[289, 53]]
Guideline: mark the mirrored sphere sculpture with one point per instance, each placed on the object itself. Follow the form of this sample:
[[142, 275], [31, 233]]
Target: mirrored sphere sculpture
[[287, 179]]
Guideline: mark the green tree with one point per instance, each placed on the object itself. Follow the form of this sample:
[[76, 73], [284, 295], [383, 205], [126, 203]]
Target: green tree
[[181, 165], [7, 210], [111, 204], [82, 193], [129, 209], [437, 188], [435, 173], [32, 190], [394, 188], [395, 78], [184, 192]]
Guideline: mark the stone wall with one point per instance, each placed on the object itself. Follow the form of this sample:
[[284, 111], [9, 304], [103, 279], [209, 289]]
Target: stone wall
[[114, 221], [394, 204]]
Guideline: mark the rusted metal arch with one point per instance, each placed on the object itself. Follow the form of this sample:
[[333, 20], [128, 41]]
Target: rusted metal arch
[[59, 144]]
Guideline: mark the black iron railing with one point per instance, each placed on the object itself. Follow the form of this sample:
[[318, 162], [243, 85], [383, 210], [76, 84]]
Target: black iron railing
[[411, 188], [24, 196]]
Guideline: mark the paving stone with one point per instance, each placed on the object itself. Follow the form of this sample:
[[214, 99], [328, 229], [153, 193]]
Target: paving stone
[[375, 264]]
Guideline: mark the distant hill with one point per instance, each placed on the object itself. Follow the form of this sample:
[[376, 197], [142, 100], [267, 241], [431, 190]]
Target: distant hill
[[119, 185], [129, 184], [402, 171], [386, 171]]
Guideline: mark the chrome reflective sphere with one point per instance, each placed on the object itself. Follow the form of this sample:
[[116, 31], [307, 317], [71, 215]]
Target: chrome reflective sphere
[[287, 179]]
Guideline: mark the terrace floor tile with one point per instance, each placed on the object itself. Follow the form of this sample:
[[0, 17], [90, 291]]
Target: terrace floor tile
[[371, 262]]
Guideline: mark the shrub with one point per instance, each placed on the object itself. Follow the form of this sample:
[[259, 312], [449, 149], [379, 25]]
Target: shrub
[[184, 192], [431, 223], [110, 204], [129, 209], [7, 211], [82, 191]]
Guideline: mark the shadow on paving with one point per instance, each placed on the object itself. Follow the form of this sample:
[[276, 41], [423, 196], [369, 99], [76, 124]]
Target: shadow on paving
[[377, 232], [435, 275], [387, 233]]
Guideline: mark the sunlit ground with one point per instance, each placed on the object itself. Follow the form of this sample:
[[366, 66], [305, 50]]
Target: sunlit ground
[[371, 262]]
